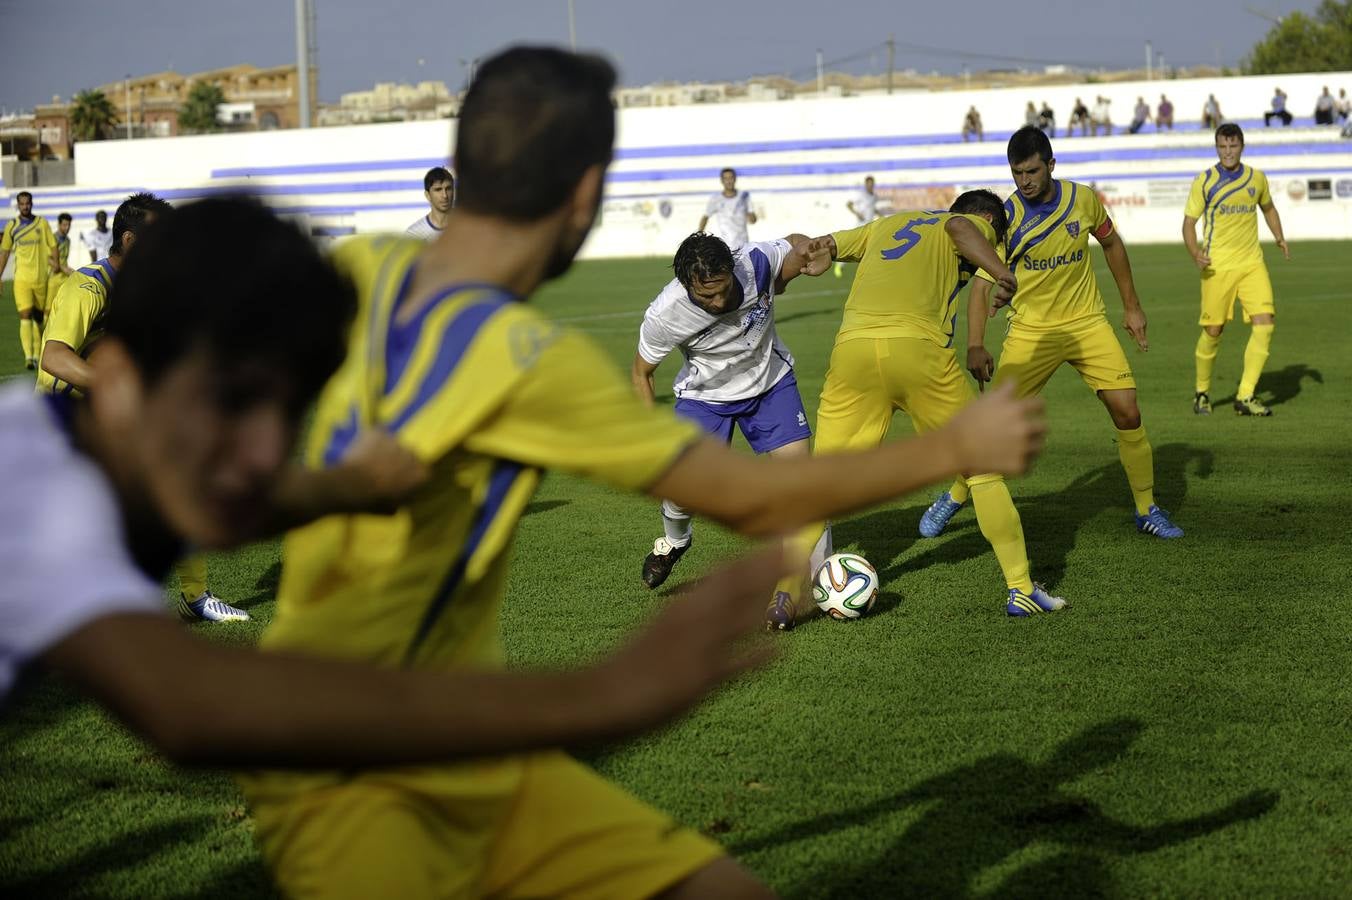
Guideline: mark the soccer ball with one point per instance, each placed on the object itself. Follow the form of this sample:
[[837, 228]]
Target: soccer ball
[[845, 586]]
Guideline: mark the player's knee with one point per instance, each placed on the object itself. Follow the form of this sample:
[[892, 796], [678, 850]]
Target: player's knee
[[974, 481], [25, 314], [1213, 330]]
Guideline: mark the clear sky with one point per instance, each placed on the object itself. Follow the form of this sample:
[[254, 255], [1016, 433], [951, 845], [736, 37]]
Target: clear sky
[[59, 48]]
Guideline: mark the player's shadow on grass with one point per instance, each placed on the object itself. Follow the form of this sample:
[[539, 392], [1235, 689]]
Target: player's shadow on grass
[[1283, 385], [56, 874], [978, 815], [543, 506], [265, 588], [1051, 521]]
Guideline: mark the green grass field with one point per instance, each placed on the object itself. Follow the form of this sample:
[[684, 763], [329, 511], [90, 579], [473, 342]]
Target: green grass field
[[1183, 731]]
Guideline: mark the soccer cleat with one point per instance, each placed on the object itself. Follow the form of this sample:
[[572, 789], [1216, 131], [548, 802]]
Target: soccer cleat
[[936, 518], [1156, 522], [1250, 406], [1023, 605], [657, 565], [779, 615], [210, 608], [1201, 404]]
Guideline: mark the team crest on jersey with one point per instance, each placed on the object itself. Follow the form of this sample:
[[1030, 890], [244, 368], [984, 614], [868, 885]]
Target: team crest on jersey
[[1073, 229], [1253, 192]]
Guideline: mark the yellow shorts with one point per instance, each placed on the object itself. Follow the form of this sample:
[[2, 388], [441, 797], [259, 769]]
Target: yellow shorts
[[1032, 355], [1250, 286], [870, 378], [564, 832], [30, 295]]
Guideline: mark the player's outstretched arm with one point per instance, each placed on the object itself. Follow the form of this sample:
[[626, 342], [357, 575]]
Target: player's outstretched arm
[[1190, 241], [818, 253], [641, 376], [974, 247], [375, 475], [62, 362], [311, 713], [1133, 317], [768, 496], [1274, 223], [979, 360], [796, 262]]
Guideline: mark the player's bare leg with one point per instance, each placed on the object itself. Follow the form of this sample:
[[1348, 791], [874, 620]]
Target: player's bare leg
[[1138, 460]]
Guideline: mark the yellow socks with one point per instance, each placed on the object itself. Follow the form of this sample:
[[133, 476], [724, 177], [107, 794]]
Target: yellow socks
[[28, 338], [192, 577], [960, 490], [1133, 448], [1255, 355], [1206, 359], [1000, 525]]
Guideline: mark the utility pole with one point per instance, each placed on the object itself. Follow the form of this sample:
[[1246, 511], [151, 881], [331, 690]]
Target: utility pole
[[1149, 60], [303, 59], [572, 27], [891, 59], [821, 76]]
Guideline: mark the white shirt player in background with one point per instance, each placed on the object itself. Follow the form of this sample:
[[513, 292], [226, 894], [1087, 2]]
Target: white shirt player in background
[[865, 209], [719, 313], [729, 211], [439, 189], [99, 239]]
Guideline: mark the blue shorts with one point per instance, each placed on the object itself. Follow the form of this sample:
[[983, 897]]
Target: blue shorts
[[768, 422]]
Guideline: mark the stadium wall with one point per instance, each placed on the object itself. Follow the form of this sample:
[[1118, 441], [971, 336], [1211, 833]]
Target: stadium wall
[[800, 159]]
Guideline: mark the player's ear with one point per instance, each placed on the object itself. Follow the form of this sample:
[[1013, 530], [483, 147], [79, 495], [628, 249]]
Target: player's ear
[[586, 198], [1051, 164]]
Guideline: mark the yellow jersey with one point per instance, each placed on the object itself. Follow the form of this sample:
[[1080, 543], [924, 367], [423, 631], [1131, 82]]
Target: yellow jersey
[[1226, 204], [909, 277], [76, 318], [489, 393], [31, 241], [1047, 248], [63, 250]]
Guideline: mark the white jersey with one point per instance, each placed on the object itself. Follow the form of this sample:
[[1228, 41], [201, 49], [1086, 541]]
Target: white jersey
[[734, 356], [727, 217], [64, 551], [423, 229], [866, 205], [100, 242]]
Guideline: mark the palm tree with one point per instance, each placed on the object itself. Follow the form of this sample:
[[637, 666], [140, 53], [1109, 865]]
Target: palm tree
[[198, 114], [92, 116]]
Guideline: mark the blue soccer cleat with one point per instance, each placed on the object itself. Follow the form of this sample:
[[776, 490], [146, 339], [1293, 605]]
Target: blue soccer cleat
[[1156, 522], [1023, 605], [780, 614], [936, 518]]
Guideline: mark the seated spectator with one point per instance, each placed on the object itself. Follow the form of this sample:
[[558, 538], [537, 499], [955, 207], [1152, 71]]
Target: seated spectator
[[971, 125], [1140, 115], [1324, 108], [1078, 116], [1164, 116], [1278, 110], [1344, 107], [1030, 115], [1211, 113], [1102, 117], [1046, 120]]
